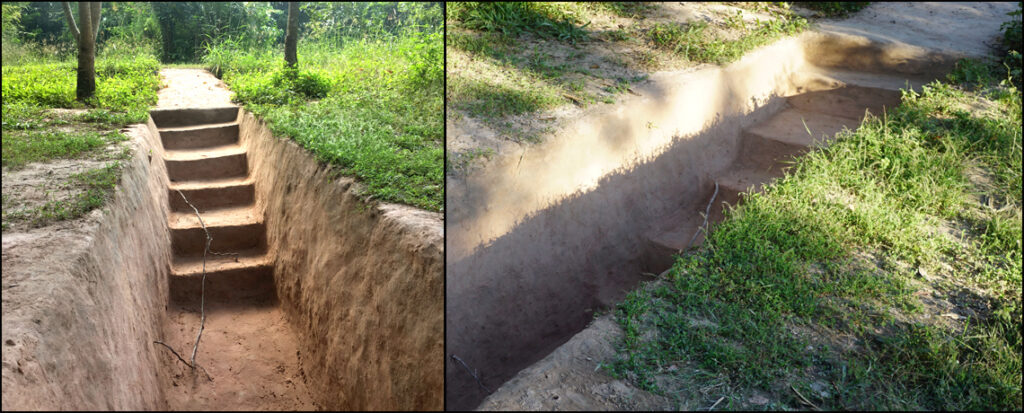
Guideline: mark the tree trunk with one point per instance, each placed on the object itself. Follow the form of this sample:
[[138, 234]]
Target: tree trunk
[[86, 85], [291, 37]]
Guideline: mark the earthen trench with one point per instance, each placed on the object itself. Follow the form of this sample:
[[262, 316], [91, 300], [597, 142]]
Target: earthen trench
[[291, 322], [524, 304]]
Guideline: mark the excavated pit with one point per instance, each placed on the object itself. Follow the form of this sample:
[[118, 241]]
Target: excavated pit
[[528, 271]]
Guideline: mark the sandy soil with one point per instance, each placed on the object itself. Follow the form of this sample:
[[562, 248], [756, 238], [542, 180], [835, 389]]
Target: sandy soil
[[955, 27], [568, 379], [249, 352]]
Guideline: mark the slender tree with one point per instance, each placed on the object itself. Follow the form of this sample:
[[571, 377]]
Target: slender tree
[[85, 34], [291, 37]]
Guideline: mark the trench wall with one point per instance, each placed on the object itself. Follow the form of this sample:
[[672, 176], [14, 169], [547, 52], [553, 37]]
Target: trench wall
[[534, 242], [361, 281], [537, 237], [85, 343], [840, 56]]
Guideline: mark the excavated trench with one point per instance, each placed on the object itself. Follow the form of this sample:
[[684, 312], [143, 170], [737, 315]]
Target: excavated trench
[[515, 298], [292, 322], [247, 344]]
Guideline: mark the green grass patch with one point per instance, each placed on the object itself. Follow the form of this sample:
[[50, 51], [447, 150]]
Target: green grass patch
[[372, 108], [550, 20], [793, 258], [126, 84], [693, 42], [835, 8], [39, 145]]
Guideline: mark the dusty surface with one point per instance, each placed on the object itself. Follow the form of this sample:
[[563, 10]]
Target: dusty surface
[[952, 27], [564, 225], [249, 352], [192, 88], [39, 183], [80, 311], [360, 282]]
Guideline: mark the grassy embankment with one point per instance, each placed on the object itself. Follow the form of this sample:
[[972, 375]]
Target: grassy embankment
[[370, 107], [34, 132], [883, 272], [507, 62]]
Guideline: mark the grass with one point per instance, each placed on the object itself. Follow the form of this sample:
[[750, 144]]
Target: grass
[[38, 145], [372, 108], [827, 282], [125, 84], [549, 20], [835, 8], [692, 42], [34, 132]]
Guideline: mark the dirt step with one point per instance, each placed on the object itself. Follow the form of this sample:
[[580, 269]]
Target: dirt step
[[849, 101], [174, 118], [766, 154], [235, 215], [233, 229], [672, 233], [203, 153], [207, 195], [742, 179], [202, 136], [892, 82], [220, 165], [226, 238], [193, 264], [226, 285], [790, 126]]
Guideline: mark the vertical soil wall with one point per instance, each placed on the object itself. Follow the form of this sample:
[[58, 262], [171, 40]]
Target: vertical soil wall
[[79, 323], [361, 281]]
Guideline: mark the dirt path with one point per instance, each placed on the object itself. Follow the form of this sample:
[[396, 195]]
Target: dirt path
[[247, 348], [192, 88]]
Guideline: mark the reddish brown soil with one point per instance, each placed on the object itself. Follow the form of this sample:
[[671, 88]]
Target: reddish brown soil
[[250, 353]]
